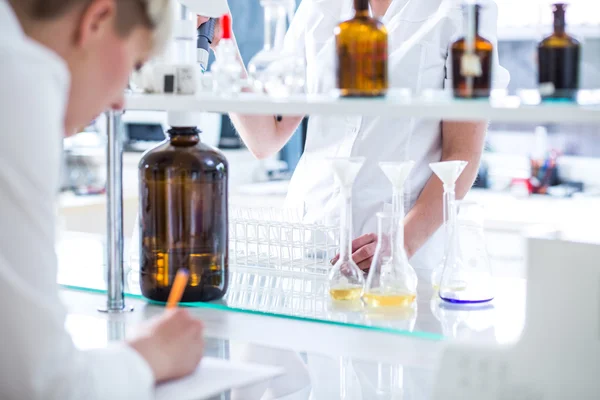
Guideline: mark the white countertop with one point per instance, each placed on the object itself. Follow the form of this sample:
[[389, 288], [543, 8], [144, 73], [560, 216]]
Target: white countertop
[[312, 352]]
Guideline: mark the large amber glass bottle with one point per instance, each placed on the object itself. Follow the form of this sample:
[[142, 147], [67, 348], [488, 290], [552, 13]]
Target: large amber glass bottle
[[559, 58], [362, 54], [472, 57], [183, 217]]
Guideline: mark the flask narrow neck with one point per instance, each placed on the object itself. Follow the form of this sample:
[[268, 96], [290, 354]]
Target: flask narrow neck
[[346, 226], [397, 228], [398, 201], [451, 230], [275, 26], [449, 201]]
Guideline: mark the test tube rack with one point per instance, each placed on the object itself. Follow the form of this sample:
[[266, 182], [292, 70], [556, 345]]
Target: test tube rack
[[277, 239]]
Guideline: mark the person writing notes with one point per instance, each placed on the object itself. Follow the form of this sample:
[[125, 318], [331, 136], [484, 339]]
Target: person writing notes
[[426, 66], [62, 62]]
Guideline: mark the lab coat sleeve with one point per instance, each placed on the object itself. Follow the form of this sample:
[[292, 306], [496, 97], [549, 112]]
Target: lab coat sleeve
[[294, 42], [488, 28], [38, 359]]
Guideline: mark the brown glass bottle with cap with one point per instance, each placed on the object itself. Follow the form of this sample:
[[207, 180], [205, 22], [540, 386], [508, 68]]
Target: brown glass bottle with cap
[[183, 217], [559, 60], [472, 57], [362, 54]]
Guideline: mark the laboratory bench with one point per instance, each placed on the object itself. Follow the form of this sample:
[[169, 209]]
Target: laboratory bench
[[508, 219], [288, 320]]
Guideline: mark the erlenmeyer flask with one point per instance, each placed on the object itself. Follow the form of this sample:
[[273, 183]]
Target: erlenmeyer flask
[[272, 70], [448, 172], [467, 276], [392, 282], [346, 280]]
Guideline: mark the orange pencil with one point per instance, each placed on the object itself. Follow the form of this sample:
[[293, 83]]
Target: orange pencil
[[178, 288]]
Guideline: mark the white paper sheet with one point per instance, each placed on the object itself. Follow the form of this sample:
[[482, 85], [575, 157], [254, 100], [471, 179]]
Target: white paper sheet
[[213, 377]]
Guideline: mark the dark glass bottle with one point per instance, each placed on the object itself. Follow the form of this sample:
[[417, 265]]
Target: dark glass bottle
[[362, 54], [559, 59], [183, 218], [472, 57]]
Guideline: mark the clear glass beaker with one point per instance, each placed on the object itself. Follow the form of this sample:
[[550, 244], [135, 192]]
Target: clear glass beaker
[[392, 282], [346, 280], [467, 276], [272, 70]]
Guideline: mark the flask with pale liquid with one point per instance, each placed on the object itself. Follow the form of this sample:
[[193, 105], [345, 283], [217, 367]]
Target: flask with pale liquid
[[392, 282], [346, 280]]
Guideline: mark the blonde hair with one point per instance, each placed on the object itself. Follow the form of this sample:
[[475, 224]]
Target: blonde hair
[[156, 15], [160, 14]]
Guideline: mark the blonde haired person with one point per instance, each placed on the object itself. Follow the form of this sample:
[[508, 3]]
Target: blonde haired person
[[62, 62]]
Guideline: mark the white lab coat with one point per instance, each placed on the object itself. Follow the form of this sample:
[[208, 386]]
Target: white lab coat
[[38, 359], [426, 66]]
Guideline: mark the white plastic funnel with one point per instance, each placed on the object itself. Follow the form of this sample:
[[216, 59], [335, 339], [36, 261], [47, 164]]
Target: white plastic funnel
[[346, 170], [448, 171], [397, 172]]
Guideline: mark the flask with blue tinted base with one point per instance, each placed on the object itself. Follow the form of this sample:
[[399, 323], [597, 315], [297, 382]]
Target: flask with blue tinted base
[[467, 277]]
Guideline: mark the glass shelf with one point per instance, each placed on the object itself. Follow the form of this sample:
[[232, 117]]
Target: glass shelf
[[274, 293], [431, 104]]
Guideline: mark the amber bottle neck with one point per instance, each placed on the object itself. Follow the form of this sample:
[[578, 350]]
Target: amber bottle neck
[[361, 7], [559, 21], [183, 137], [476, 9]]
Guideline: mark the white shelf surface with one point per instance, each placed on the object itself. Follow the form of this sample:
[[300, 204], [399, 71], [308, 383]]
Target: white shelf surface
[[537, 33], [433, 105]]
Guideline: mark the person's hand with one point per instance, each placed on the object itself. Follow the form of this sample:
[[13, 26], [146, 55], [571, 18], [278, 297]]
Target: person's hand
[[363, 250], [171, 344], [218, 34]]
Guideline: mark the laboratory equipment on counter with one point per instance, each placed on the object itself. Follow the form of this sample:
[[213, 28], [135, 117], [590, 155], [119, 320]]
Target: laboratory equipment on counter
[[467, 275], [115, 302], [472, 59], [559, 61], [183, 215], [362, 54], [472, 243], [448, 172], [397, 173], [276, 239], [392, 282], [346, 280], [227, 70], [558, 354], [272, 70]]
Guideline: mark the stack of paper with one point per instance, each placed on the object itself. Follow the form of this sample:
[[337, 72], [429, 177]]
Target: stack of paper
[[213, 377]]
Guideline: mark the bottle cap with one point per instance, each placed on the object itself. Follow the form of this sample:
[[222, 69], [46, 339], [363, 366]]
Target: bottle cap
[[226, 26]]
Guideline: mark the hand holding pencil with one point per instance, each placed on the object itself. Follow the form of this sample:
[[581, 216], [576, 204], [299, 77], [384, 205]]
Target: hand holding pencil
[[173, 343]]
